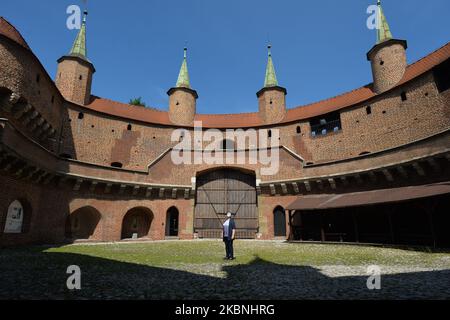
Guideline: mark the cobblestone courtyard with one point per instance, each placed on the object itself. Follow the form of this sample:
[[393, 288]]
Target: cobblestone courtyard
[[196, 270]]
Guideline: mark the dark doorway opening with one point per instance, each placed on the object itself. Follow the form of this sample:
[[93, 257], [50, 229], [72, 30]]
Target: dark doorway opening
[[136, 223], [279, 222], [419, 222]]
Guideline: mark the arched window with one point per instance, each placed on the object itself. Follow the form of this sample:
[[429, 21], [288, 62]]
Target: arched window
[[299, 130], [172, 222], [81, 115], [129, 127], [14, 218]]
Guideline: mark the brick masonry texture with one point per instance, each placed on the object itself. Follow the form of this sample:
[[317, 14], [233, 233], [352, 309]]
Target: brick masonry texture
[[272, 106], [74, 80], [182, 106], [398, 129], [388, 66]]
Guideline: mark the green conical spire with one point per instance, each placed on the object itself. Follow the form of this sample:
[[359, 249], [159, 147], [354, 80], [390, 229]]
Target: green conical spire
[[79, 46], [271, 78], [183, 77], [383, 31]]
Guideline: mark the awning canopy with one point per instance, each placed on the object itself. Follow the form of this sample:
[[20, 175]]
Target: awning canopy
[[330, 201]]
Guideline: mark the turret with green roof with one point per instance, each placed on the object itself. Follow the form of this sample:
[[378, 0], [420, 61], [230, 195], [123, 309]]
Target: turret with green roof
[[387, 56], [271, 98], [79, 46], [383, 30], [74, 75], [183, 76], [182, 98]]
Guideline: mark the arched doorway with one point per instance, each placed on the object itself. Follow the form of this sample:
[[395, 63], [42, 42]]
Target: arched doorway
[[223, 190], [279, 222], [82, 223], [136, 223], [172, 222]]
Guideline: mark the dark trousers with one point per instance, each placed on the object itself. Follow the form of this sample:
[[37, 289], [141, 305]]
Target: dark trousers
[[228, 247]]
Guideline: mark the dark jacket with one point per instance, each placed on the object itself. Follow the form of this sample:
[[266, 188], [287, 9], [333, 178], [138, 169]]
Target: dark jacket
[[231, 227]]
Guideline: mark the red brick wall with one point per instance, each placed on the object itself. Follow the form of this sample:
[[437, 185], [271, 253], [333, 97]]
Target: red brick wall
[[21, 73], [74, 80], [182, 107], [272, 106], [388, 66]]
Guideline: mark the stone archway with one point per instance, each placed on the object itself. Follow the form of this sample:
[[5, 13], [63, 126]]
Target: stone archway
[[136, 223], [82, 223]]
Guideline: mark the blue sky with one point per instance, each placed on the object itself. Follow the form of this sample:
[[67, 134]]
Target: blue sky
[[319, 47]]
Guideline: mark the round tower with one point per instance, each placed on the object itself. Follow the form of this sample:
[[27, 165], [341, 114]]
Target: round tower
[[74, 75], [387, 57], [182, 99], [272, 97]]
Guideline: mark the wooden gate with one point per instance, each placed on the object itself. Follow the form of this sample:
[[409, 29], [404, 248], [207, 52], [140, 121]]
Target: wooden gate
[[219, 192]]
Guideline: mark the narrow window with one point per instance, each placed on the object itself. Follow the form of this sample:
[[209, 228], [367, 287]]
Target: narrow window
[[404, 97], [299, 130], [38, 78], [369, 110], [129, 127], [81, 115], [269, 133], [81, 77], [53, 99], [116, 165], [381, 62]]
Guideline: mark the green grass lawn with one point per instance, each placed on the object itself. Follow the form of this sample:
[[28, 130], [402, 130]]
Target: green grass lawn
[[196, 270], [200, 252]]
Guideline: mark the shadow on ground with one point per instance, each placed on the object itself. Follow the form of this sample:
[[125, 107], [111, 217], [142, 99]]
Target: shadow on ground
[[42, 275]]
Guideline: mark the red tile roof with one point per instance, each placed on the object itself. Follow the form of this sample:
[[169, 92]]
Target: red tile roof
[[242, 120], [7, 30]]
